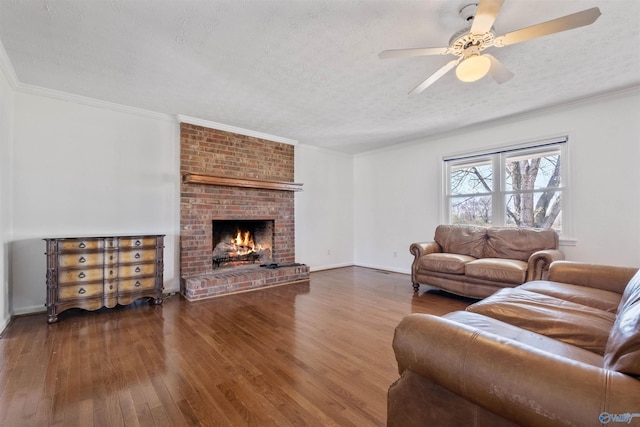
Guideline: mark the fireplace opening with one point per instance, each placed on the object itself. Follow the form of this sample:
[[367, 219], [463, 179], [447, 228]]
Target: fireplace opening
[[242, 242]]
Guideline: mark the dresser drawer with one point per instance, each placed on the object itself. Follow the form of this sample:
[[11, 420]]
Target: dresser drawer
[[135, 255], [110, 287], [137, 242], [79, 244], [79, 291], [136, 270], [110, 273], [132, 285], [79, 276], [81, 260]]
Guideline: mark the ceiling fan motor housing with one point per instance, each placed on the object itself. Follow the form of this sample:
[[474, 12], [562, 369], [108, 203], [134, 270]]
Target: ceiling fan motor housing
[[468, 12]]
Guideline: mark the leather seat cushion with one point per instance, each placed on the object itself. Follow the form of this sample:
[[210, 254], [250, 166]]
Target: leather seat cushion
[[572, 323], [591, 297], [501, 270], [540, 342], [444, 263], [623, 348]]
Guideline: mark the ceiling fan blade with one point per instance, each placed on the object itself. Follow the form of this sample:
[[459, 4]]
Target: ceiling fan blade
[[499, 72], [402, 53], [435, 76], [485, 16], [568, 22]]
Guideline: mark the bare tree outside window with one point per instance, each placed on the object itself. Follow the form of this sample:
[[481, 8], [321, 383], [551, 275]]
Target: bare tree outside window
[[471, 187], [534, 199]]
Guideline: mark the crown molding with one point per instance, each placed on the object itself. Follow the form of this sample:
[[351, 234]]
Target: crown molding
[[7, 68], [234, 129], [92, 102]]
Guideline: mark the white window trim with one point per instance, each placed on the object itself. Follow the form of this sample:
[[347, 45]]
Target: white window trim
[[567, 237]]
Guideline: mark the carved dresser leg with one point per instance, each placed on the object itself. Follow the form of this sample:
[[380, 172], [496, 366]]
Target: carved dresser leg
[[416, 287]]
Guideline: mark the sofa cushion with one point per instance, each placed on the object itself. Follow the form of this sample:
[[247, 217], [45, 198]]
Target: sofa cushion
[[623, 348], [518, 243], [461, 239], [445, 262], [501, 270], [566, 321], [538, 341], [591, 297]]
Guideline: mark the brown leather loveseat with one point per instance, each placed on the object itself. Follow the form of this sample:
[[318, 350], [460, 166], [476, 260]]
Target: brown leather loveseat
[[562, 351], [476, 261]]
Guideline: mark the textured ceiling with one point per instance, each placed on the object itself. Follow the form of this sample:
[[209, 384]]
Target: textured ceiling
[[308, 69]]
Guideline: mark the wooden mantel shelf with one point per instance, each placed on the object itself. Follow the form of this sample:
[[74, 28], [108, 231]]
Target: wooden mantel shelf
[[195, 178]]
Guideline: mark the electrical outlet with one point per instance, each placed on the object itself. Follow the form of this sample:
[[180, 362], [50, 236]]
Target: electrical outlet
[[328, 251], [395, 254]]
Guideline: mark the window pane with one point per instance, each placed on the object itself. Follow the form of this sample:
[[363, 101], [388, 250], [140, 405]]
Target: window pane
[[533, 172], [471, 178], [471, 210], [540, 209]]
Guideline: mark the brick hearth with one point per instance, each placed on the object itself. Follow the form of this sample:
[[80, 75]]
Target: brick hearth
[[239, 279], [224, 154]]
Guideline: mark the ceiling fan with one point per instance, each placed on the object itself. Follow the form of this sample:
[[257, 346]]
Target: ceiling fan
[[468, 43]]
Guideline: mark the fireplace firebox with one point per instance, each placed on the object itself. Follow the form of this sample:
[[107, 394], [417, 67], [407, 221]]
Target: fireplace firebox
[[242, 242]]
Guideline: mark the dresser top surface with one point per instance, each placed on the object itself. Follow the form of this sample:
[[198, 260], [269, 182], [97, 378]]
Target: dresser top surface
[[128, 236]]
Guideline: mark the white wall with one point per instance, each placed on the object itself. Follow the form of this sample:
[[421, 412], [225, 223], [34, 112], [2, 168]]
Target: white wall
[[6, 146], [397, 190], [81, 170], [74, 169], [324, 209]]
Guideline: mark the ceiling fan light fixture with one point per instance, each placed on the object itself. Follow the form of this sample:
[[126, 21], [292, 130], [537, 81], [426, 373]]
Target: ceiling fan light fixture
[[473, 68]]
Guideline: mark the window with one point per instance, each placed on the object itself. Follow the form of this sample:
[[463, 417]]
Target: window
[[521, 186]]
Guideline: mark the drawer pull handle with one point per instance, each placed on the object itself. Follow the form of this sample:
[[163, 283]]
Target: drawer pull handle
[[82, 291], [138, 242], [137, 255], [81, 275], [138, 284], [110, 272], [138, 270], [110, 286], [82, 259], [82, 245], [110, 257]]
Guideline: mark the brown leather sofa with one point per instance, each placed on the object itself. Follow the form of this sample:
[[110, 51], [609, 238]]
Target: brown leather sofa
[[562, 351], [476, 261]]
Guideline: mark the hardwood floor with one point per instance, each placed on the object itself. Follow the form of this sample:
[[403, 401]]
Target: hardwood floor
[[295, 355]]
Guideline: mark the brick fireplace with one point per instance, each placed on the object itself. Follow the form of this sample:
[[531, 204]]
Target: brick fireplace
[[233, 177]]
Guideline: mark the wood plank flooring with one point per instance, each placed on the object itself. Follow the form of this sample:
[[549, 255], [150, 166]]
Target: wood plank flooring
[[315, 354]]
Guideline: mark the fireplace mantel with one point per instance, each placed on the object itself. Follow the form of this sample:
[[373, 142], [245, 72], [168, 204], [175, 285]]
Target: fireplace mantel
[[195, 178]]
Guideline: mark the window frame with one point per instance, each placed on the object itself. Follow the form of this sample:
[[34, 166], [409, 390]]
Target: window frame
[[497, 157]]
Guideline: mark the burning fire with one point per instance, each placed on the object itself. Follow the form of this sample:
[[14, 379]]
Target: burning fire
[[240, 249], [244, 243]]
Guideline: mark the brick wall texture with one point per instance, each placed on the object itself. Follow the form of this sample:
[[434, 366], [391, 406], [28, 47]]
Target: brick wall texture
[[215, 152]]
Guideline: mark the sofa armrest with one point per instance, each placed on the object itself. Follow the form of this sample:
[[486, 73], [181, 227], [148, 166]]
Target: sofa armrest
[[424, 248], [418, 250], [540, 261], [528, 386], [607, 277]]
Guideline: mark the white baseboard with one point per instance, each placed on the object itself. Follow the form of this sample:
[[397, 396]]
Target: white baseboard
[[381, 267], [30, 310], [3, 324], [329, 267], [348, 264]]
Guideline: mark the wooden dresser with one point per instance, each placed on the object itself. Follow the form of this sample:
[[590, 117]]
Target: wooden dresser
[[95, 272]]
